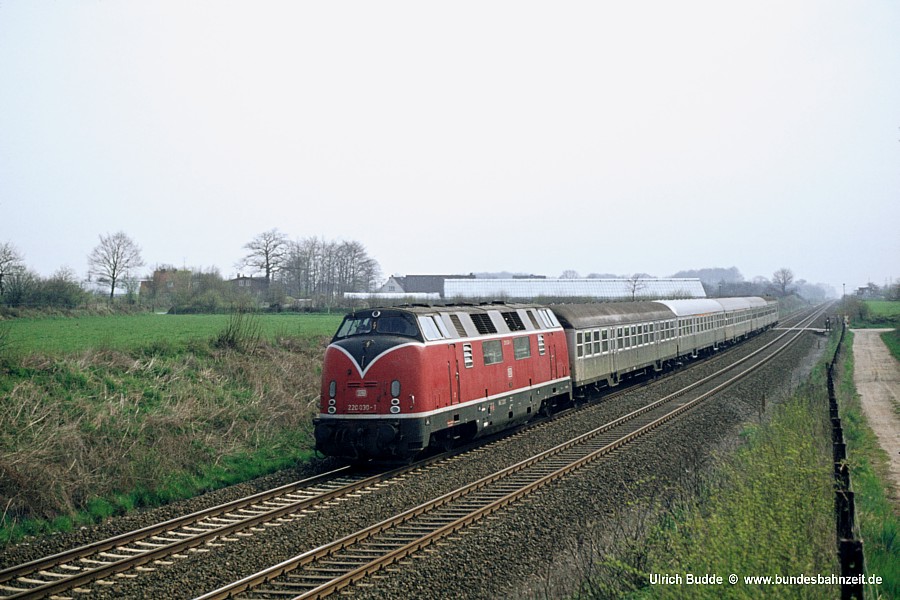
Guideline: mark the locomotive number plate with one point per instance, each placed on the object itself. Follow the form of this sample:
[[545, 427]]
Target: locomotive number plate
[[360, 408]]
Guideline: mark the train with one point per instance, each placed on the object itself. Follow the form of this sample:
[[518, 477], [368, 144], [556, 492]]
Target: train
[[397, 381]]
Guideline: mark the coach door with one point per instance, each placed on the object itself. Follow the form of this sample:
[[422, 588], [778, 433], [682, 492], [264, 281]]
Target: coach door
[[615, 337], [453, 373]]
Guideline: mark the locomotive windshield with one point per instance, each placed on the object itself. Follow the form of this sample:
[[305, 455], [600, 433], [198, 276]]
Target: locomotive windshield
[[376, 322]]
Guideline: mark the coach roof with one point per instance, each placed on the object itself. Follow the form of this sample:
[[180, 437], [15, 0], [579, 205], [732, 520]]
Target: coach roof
[[601, 314]]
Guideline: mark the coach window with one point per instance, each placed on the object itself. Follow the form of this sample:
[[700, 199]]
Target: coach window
[[597, 342], [619, 342], [588, 337], [579, 344], [492, 351], [605, 336], [522, 347]]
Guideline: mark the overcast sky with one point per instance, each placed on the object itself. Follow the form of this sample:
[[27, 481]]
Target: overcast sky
[[609, 137]]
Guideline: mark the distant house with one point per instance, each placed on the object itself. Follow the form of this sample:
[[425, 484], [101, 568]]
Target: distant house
[[867, 292], [418, 284], [165, 283], [250, 285]]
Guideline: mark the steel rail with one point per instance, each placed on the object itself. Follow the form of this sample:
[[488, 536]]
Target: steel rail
[[238, 522], [398, 553]]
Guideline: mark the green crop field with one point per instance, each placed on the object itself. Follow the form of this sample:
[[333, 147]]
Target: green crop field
[[884, 309], [128, 332]]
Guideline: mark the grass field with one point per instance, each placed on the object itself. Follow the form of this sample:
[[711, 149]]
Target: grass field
[[884, 309], [129, 332], [886, 313], [102, 414]]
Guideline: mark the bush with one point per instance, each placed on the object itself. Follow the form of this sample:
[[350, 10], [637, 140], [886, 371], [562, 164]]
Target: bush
[[242, 331]]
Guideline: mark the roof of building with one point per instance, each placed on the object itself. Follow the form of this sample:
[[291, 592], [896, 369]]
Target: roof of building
[[610, 289], [427, 284]]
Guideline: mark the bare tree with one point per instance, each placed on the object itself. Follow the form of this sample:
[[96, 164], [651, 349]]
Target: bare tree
[[323, 270], [635, 284], [569, 274], [782, 278], [268, 252], [10, 262], [114, 259]]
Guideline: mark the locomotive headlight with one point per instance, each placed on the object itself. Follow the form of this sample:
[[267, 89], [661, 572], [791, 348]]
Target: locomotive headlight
[[331, 402], [331, 410], [395, 401], [332, 388], [394, 409], [395, 388]]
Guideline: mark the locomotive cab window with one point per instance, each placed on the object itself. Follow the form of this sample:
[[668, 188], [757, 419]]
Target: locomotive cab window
[[376, 323]]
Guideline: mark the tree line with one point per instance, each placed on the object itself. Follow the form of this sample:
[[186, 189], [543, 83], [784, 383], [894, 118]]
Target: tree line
[[311, 272]]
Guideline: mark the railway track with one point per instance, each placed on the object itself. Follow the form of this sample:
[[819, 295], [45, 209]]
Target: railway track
[[71, 569], [331, 567], [144, 548]]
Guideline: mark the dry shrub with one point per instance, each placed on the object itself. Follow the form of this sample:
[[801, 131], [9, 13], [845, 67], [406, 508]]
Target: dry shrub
[[106, 422]]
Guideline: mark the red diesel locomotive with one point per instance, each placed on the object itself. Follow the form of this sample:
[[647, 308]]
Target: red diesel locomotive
[[398, 380]]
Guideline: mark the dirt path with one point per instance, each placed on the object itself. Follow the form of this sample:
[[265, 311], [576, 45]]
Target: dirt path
[[877, 377]]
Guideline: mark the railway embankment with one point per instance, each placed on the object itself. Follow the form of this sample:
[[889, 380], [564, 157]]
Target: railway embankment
[[100, 431]]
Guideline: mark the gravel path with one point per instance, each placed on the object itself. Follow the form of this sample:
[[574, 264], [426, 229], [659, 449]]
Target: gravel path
[[877, 376]]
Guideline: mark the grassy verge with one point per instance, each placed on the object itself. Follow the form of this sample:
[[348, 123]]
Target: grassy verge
[[768, 510], [90, 433], [877, 513], [892, 341]]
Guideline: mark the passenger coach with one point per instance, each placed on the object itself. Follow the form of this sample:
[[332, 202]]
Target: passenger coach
[[611, 341]]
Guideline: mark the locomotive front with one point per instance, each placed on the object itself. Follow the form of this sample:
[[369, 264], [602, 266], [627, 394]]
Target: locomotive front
[[370, 379]]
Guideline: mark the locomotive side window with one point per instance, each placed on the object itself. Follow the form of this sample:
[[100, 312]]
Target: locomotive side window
[[522, 347], [442, 326], [548, 317], [429, 328], [492, 351]]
